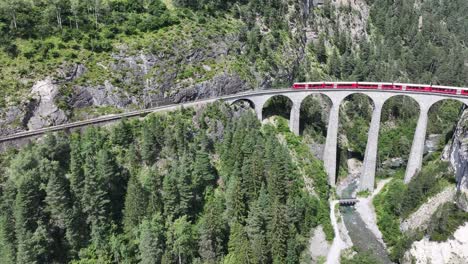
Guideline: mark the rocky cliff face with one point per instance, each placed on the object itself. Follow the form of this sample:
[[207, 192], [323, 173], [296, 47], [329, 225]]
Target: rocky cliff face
[[452, 251], [457, 154]]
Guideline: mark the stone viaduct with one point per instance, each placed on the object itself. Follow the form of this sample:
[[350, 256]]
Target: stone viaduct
[[258, 100], [378, 97]]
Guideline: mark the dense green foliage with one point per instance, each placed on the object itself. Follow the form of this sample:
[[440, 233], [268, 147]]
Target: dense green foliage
[[314, 118], [397, 201], [309, 165], [39, 37], [443, 117], [211, 186], [399, 117], [277, 106], [360, 258], [354, 121], [445, 221], [423, 42]]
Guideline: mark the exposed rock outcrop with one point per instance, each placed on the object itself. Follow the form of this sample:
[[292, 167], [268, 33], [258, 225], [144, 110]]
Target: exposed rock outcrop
[[43, 111], [457, 154], [420, 218], [355, 25], [453, 251], [432, 143], [103, 95]]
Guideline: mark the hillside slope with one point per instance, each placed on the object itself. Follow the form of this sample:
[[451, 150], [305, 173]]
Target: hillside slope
[[82, 59]]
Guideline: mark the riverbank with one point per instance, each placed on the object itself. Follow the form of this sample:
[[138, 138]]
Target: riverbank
[[341, 240], [366, 211]]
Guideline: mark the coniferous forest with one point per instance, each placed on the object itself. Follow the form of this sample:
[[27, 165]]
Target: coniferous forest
[[194, 186], [213, 184]]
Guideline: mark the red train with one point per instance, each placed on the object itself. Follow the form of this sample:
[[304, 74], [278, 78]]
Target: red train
[[383, 86]]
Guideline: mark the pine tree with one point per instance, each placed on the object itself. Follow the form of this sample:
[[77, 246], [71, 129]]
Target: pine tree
[[136, 202], [180, 240], [153, 184], [334, 65], [170, 195], [115, 178], [239, 249], [278, 232], [58, 198], [152, 242], [235, 198], [96, 196], [257, 222], [76, 178], [151, 139], [7, 223], [184, 186], [59, 206], [121, 134], [213, 230], [76, 167], [28, 213], [294, 247], [203, 176], [320, 50], [280, 174], [253, 171], [347, 65]]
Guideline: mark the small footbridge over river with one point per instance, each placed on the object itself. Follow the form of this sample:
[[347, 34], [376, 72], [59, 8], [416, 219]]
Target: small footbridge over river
[[348, 201]]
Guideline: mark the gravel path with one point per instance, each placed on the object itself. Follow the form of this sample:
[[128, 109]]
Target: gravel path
[[338, 244]]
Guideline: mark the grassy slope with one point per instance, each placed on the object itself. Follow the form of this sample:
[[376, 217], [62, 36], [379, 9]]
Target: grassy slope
[[40, 58]]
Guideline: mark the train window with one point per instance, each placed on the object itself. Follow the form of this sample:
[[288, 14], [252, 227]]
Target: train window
[[443, 90], [368, 86]]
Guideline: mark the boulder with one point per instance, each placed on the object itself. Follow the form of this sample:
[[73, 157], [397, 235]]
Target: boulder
[[432, 143], [394, 163]]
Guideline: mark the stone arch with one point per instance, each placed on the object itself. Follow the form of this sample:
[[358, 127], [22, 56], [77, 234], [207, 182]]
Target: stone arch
[[409, 96], [244, 101], [280, 105], [400, 114], [443, 116], [358, 105], [314, 116], [355, 116]]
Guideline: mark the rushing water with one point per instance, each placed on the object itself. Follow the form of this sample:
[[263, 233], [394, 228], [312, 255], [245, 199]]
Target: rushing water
[[363, 238]]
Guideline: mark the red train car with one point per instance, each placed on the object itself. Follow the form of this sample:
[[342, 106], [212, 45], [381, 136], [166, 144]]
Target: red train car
[[365, 85], [346, 85], [383, 86], [444, 90], [299, 86], [392, 86], [315, 85], [418, 88]]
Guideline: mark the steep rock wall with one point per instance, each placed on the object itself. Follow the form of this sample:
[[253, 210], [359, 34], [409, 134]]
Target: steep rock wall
[[457, 154]]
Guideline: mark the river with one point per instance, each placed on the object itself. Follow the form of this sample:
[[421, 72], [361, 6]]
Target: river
[[364, 239]]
